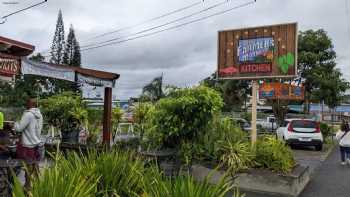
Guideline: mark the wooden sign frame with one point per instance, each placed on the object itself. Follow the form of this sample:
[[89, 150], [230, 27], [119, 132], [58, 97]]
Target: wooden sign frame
[[252, 51]]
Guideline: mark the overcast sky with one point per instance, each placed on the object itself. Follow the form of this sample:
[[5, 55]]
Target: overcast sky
[[185, 55]]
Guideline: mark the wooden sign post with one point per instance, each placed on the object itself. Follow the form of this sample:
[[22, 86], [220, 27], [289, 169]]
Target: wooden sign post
[[254, 133]]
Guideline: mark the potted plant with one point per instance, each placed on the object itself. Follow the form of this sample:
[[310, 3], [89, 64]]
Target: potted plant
[[67, 112]]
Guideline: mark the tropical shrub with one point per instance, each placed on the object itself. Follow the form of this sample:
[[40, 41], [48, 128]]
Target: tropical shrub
[[64, 109], [142, 115], [184, 114], [274, 154], [186, 186], [115, 174], [326, 130], [219, 129], [236, 156], [64, 179], [117, 114]]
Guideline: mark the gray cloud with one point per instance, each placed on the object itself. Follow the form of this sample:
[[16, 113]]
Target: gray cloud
[[185, 55]]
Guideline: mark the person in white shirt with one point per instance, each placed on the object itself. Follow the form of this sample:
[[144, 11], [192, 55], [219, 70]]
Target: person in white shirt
[[343, 136], [28, 149]]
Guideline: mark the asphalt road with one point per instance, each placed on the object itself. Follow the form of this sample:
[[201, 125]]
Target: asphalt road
[[331, 180]]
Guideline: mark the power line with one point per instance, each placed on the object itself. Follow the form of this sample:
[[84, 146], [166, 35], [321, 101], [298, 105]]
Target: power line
[[156, 27], [139, 24], [170, 28], [162, 25], [149, 20], [21, 10], [174, 27]]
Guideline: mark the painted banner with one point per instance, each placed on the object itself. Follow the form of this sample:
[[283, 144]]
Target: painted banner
[[93, 81], [281, 91], [9, 67], [44, 69], [258, 52]]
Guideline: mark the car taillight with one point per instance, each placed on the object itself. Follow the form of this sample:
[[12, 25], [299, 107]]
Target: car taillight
[[318, 129], [290, 128]]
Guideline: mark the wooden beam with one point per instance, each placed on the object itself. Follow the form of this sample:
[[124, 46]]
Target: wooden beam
[[107, 117], [254, 111]]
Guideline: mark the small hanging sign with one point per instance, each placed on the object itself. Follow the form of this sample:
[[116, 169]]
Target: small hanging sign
[[93, 81], [44, 69], [9, 67]]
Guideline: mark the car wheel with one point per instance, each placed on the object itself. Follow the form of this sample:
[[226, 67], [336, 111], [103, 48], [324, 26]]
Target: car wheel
[[319, 147]]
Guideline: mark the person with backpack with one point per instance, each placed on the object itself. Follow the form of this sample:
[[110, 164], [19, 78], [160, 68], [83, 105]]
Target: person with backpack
[[343, 136]]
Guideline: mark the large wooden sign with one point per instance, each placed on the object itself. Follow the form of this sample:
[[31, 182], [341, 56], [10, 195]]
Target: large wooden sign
[[258, 52], [281, 91], [9, 67]]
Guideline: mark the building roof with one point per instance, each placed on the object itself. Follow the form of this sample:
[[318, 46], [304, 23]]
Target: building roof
[[89, 72], [15, 48]]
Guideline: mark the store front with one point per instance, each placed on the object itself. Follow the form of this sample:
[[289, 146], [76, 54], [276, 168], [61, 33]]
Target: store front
[[11, 52], [14, 61]]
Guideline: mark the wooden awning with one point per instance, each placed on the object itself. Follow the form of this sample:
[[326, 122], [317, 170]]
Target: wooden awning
[[15, 48], [69, 73]]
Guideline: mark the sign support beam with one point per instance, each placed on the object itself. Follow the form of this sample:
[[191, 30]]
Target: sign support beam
[[107, 116], [254, 111]]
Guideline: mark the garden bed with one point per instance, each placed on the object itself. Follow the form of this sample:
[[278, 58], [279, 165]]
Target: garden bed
[[260, 180]]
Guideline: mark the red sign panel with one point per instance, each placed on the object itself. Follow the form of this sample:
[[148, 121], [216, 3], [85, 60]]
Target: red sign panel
[[9, 67], [255, 68]]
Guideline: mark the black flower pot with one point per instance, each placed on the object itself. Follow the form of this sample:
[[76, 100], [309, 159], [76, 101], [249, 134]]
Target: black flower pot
[[70, 137]]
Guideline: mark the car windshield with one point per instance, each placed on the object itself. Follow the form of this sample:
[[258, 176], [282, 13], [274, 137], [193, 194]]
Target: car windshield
[[304, 124]]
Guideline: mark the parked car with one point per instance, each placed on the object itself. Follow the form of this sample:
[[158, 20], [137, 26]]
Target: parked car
[[301, 132], [243, 123], [269, 123]]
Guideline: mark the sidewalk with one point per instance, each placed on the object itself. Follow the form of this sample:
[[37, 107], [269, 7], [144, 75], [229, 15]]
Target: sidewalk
[[331, 179]]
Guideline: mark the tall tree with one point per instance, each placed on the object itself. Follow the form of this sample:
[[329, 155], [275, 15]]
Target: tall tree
[[57, 48], [315, 53], [234, 92], [154, 90], [72, 55]]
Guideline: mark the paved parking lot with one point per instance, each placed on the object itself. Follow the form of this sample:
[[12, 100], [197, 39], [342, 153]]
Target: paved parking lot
[[307, 156]]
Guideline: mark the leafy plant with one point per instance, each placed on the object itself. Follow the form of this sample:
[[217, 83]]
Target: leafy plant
[[142, 115], [219, 129], [236, 156], [117, 114], [62, 180], [64, 110], [274, 155], [326, 130], [184, 186], [185, 113]]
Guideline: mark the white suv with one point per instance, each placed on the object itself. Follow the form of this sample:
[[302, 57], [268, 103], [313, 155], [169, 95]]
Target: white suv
[[301, 132]]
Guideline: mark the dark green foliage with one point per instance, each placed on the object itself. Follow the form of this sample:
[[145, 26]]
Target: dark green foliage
[[316, 64], [326, 130], [234, 92], [185, 114], [58, 42], [274, 155], [72, 54], [65, 111], [153, 91], [115, 174]]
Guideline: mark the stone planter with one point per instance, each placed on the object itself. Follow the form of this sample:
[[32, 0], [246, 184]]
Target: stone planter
[[261, 181]]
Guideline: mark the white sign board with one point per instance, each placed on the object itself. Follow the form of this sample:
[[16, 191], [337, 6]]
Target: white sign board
[[43, 69]]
